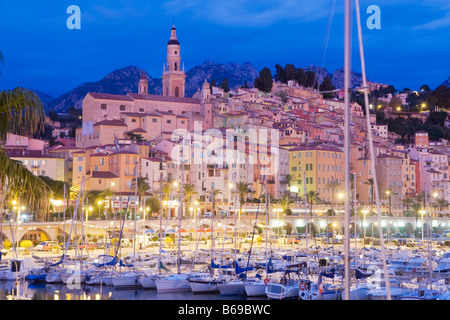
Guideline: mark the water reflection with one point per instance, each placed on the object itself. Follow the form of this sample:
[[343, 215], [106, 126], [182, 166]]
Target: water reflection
[[24, 290]]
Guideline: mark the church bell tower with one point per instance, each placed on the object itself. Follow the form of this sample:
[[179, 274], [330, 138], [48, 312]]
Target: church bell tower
[[173, 78]]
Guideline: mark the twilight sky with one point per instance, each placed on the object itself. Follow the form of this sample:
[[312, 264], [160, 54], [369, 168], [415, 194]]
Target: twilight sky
[[411, 48]]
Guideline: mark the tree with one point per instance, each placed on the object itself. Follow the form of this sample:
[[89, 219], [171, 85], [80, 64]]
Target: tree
[[188, 192], [300, 77], [107, 194], [153, 203], [265, 81], [390, 192], [289, 180], [279, 75], [310, 78], [407, 202], [214, 193], [224, 85], [327, 85], [424, 87], [243, 189], [311, 197], [395, 103], [142, 188], [441, 203], [22, 113], [285, 204], [290, 72], [371, 184], [439, 98]]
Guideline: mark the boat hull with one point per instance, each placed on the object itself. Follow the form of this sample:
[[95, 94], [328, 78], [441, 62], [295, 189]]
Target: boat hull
[[255, 289], [231, 289], [278, 291]]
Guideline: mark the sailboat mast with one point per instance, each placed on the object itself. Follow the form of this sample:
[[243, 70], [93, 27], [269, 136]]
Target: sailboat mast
[[347, 88], [181, 211], [372, 155], [135, 209]]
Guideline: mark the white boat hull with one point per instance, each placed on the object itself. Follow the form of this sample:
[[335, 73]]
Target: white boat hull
[[147, 282], [278, 291], [231, 288], [126, 281], [255, 289], [203, 286], [173, 284]]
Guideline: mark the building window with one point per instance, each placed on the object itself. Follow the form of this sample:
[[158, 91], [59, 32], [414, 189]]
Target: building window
[[154, 120], [169, 121], [133, 120], [103, 106], [122, 107]]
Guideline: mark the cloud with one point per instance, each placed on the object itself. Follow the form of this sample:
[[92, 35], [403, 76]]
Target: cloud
[[436, 24], [251, 13]]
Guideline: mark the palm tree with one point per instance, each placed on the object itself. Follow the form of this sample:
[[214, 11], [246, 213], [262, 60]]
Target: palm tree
[[153, 204], [213, 194], [441, 203], [243, 189], [288, 179], [420, 197], [22, 113], [285, 204], [142, 188], [167, 188], [370, 183], [188, 192], [312, 196], [107, 194], [407, 202], [390, 192]]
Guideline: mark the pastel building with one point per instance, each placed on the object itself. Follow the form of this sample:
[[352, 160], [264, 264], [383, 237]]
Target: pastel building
[[320, 166], [151, 115]]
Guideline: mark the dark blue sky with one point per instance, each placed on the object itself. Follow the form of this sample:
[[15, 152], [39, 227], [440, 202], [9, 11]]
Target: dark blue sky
[[411, 48]]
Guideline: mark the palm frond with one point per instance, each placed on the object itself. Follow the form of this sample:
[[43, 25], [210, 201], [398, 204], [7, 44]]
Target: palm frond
[[21, 112], [33, 192]]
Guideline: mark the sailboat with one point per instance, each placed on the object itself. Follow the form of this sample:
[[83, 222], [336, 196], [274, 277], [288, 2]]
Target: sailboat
[[177, 282]]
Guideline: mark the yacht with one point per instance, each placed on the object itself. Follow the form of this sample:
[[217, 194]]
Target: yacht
[[177, 282]]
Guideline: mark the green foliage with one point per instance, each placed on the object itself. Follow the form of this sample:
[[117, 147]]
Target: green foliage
[[265, 81], [224, 85], [327, 85]]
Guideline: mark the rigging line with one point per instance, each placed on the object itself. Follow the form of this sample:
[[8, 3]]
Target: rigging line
[[326, 40], [263, 187], [372, 153]]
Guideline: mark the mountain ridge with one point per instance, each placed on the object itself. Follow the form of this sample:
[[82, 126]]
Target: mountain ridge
[[125, 80]]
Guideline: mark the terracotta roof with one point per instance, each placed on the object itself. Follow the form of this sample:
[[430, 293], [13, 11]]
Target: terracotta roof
[[103, 174], [137, 130], [124, 152], [146, 96], [108, 96], [111, 123], [20, 153]]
